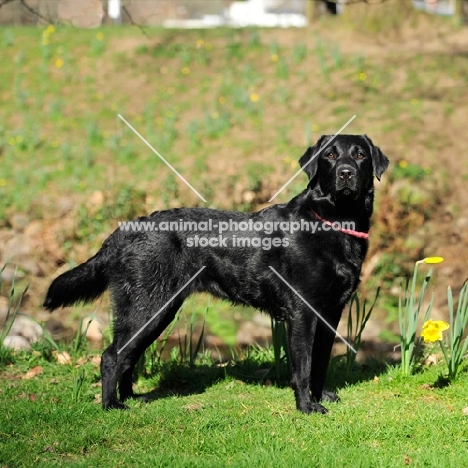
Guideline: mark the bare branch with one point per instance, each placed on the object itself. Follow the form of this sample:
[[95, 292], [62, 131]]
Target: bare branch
[[35, 12], [139, 26], [4, 2]]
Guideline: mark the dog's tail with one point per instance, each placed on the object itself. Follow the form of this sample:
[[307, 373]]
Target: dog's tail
[[84, 283]]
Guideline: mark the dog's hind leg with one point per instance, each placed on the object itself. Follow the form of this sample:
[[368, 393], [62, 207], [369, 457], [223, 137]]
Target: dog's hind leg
[[133, 333], [109, 379], [139, 347]]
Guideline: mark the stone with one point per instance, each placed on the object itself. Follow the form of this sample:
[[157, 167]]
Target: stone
[[93, 331], [17, 343], [256, 331], [4, 302], [19, 221], [18, 251], [82, 14], [27, 328]]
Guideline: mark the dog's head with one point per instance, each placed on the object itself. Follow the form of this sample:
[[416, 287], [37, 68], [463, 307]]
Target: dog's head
[[343, 165]]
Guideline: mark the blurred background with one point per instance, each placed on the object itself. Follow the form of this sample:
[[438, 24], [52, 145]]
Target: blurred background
[[231, 94]]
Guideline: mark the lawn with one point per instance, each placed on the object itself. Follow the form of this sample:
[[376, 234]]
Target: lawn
[[208, 415]]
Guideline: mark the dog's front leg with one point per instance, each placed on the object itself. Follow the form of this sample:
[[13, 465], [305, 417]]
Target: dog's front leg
[[301, 331], [322, 346]]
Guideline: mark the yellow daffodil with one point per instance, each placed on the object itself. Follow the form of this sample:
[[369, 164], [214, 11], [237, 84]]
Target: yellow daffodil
[[432, 330], [432, 260], [254, 97]]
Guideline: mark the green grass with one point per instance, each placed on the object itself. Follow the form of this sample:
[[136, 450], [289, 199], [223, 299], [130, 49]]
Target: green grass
[[61, 98], [223, 416]]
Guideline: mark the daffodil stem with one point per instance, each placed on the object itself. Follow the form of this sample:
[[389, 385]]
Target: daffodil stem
[[447, 360]]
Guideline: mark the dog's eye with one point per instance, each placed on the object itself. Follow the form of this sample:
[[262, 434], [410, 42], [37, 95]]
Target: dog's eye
[[360, 155], [330, 155]]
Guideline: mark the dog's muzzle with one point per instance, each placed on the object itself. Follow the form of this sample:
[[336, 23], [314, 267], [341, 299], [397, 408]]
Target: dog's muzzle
[[347, 183]]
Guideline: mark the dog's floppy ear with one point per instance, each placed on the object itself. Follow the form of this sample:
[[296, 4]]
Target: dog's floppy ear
[[379, 160], [309, 161]]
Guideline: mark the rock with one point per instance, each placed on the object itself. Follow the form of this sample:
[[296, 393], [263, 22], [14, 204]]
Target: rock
[[5, 236], [17, 343], [256, 331], [3, 309], [93, 331], [248, 196], [57, 330], [8, 274], [27, 328], [83, 14], [262, 320], [18, 251], [461, 223], [19, 221], [96, 199]]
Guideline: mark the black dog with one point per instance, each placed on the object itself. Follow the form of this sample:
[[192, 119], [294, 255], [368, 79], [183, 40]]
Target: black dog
[[246, 258]]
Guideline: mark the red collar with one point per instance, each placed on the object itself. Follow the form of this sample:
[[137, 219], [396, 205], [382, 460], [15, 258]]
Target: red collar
[[350, 232]]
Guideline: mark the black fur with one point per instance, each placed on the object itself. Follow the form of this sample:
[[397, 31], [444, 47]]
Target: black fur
[[144, 270]]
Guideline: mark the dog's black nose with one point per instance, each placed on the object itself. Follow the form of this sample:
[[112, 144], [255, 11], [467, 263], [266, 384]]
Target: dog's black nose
[[345, 174]]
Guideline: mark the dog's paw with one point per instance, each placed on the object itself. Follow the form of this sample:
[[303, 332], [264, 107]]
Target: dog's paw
[[329, 396], [311, 407], [114, 405]]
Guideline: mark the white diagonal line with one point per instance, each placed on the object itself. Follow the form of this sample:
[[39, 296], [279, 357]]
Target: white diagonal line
[[313, 310], [160, 310], [311, 159], [162, 159]]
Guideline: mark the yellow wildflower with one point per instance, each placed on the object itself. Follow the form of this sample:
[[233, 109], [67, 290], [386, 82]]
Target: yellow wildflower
[[432, 330], [254, 97], [431, 260]]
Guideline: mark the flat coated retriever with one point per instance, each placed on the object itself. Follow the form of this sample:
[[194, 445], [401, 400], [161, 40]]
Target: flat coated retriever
[[284, 260]]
